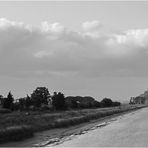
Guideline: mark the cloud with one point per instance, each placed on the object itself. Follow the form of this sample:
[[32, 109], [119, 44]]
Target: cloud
[[53, 28], [130, 42], [91, 25], [53, 49], [92, 28]]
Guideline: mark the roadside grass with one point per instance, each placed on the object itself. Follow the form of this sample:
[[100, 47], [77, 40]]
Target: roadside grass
[[15, 133], [19, 125], [3, 110]]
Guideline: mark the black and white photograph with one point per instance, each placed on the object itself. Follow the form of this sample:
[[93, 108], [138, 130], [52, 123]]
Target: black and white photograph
[[73, 73]]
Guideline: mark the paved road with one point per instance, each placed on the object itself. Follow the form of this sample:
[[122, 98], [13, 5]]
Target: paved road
[[129, 130]]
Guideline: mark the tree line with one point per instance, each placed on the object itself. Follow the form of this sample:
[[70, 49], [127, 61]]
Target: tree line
[[41, 99]]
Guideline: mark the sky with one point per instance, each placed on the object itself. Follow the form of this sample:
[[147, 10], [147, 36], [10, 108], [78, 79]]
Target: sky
[[87, 48]]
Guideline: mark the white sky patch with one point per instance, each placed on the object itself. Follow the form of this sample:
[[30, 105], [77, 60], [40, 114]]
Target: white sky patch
[[116, 49], [91, 26], [128, 43], [55, 27], [94, 35], [5, 23], [43, 53], [133, 37]]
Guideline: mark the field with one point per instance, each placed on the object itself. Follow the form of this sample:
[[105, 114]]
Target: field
[[19, 123]]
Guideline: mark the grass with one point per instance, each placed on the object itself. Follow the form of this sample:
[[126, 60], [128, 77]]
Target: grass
[[15, 133], [19, 125], [3, 110]]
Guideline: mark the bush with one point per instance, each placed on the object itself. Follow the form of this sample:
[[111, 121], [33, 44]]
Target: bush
[[45, 107], [15, 133], [4, 110], [16, 106], [116, 103]]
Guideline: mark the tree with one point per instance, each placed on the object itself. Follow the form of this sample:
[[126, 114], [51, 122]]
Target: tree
[[106, 102], [39, 96], [8, 102], [1, 99], [58, 101], [22, 103], [97, 104], [28, 102], [75, 104]]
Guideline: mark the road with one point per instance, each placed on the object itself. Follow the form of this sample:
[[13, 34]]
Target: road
[[129, 130]]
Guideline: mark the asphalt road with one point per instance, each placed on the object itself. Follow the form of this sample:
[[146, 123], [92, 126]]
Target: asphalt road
[[129, 130]]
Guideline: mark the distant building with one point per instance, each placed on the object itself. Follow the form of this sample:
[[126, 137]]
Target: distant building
[[145, 95], [141, 99]]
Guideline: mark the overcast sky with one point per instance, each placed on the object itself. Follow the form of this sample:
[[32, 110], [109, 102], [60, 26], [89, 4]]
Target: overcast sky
[[80, 48]]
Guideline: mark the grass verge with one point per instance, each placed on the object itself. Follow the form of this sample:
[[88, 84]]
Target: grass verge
[[19, 125], [15, 133]]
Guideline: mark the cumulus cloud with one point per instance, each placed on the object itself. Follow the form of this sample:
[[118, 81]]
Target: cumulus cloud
[[54, 49], [92, 28], [54, 28], [91, 25]]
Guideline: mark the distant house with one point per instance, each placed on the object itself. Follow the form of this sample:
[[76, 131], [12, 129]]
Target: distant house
[[145, 95], [141, 99]]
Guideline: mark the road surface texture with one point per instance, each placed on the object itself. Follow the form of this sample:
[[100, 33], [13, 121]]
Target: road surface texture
[[129, 130]]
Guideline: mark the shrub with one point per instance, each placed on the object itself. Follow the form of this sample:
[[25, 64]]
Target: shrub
[[4, 110], [15, 133], [116, 103]]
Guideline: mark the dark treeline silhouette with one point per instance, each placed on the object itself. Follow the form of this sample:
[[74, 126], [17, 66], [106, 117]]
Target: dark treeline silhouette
[[81, 102], [41, 99], [8, 101]]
